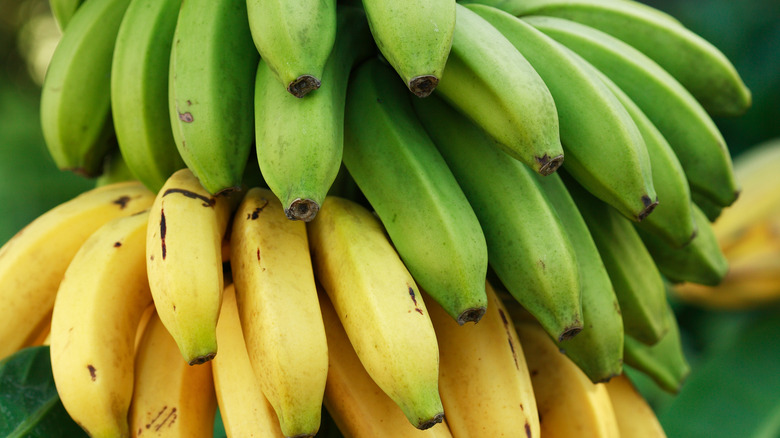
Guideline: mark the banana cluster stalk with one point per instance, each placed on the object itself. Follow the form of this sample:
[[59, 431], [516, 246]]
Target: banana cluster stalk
[[369, 295]]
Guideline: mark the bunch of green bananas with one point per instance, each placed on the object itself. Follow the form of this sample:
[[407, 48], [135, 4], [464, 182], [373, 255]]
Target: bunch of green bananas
[[457, 160]]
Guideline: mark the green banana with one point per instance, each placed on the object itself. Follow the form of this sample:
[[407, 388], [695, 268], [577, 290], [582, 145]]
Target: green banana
[[690, 131], [698, 65], [710, 209], [672, 220], [397, 167], [115, 170], [415, 38], [294, 38], [664, 362], [211, 80], [701, 261], [139, 91], [299, 141], [490, 82], [604, 150], [75, 99], [528, 247], [636, 280], [63, 11], [598, 348]]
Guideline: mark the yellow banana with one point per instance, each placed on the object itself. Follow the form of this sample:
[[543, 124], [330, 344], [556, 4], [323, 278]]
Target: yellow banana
[[483, 376], [358, 406], [244, 409], [635, 417], [99, 304], [170, 398], [33, 262], [280, 314], [380, 306], [184, 262], [569, 404]]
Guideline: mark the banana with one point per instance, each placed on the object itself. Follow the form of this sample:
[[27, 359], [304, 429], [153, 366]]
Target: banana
[[170, 398], [211, 81], [664, 362], [75, 98], [698, 65], [598, 349], [63, 11], [672, 220], [415, 38], [414, 193], [635, 278], [701, 261], [184, 262], [604, 149], [294, 40], [528, 247], [634, 415], [569, 403], [139, 90], [484, 383], [380, 307], [709, 208], [98, 307], [690, 131], [244, 409], [280, 314], [490, 82], [299, 142], [33, 262], [358, 406]]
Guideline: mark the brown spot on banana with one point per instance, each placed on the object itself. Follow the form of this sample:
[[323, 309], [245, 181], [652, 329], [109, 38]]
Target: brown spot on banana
[[92, 372], [509, 337], [414, 300], [163, 230], [121, 201], [207, 202]]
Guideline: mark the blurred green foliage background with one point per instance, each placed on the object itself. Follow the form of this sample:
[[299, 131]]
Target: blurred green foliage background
[[725, 349]]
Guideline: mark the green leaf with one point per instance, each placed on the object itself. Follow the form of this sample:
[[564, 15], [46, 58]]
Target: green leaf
[[29, 404], [735, 391]]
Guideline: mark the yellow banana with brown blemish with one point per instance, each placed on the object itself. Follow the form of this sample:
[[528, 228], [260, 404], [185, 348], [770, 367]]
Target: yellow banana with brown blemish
[[184, 262], [98, 307], [33, 262], [634, 415], [280, 314]]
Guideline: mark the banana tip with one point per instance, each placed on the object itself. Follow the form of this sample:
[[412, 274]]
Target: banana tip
[[438, 418], [649, 206], [302, 210], [548, 165], [569, 333], [423, 86], [471, 315], [302, 85], [202, 359]]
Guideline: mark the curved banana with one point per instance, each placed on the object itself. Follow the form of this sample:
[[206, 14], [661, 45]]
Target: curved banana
[[139, 91], [33, 262], [604, 149], [242, 405], [294, 40], [98, 307], [299, 142], [672, 220], [170, 398], [598, 349], [635, 278], [634, 415], [75, 98], [701, 261], [490, 82], [698, 65], [63, 11], [358, 406], [414, 193], [415, 38], [211, 82], [692, 134], [528, 247], [569, 403], [280, 314], [484, 383], [184, 262], [664, 362], [380, 307]]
